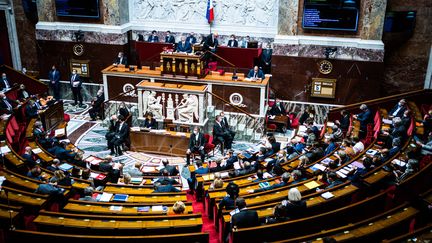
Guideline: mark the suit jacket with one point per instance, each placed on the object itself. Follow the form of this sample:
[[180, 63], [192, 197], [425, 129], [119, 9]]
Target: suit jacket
[[77, 79], [266, 56], [399, 113], [3, 83], [63, 154], [191, 39], [172, 170], [166, 188], [295, 209], [330, 148], [245, 218], [29, 160], [98, 102], [150, 123], [54, 76], [124, 60], [193, 142], [365, 118], [344, 122], [170, 39], [4, 107], [260, 74], [233, 43], [278, 110], [218, 130], [230, 161], [225, 124], [201, 171], [124, 112], [21, 95], [186, 47], [31, 111], [122, 132], [210, 41], [152, 38]]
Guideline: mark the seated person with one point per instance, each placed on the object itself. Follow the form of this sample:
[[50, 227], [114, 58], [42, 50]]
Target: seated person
[[121, 135], [201, 170], [153, 37], [260, 176], [184, 46], [53, 165], [401, 173], [120, 59], [278, 215], [247, 169], [29, 158], [6, 104], [196, 145], [159, 188], [221, 135], [331, 145], [169, 38], [218, 167], [61, 178], [88, 193], [225, 124], [217, 183], [245, 217], [23, 94], [35, 174], [365, 118], [136, 170], [149, 121], [96, 105], [232, 41], [285, 181], [294, 206], [426, 147], [231, 158], [228, 201], [191, 38], [172, 170], [5, 83], [255, 74], [333, 180], [64, 154], [398, 110], [179, 207]]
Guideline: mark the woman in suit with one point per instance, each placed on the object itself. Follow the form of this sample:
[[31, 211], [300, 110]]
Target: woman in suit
[[150, 122]]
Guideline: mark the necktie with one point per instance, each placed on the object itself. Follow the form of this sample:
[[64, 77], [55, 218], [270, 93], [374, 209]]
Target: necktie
[[73, 77], [255, 76], [6, 83]]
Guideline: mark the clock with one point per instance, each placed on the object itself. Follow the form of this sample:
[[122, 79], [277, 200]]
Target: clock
[[325, 67], [78, 49]]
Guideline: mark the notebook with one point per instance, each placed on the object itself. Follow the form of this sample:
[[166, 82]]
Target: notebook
[[311, 185], [37, 150], [318, 167], [136, 180], [159, 208], [120, 197], [106, 197], [264, 184]]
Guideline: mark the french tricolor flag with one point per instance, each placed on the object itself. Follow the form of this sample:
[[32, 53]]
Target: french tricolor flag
[[210, 13]]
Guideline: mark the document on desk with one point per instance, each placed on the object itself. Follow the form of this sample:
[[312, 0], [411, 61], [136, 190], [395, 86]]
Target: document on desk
[[327, 195], [37, 150], [5, 149], [59, 132], [116, 208], [312, 185], [106, 197]]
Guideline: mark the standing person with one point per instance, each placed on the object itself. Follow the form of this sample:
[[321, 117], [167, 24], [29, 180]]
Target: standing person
[[169, 38], [221, 135], [184, 46], [54, 82], [365, 118], [5, 84], [153, 37], [196, 144], [225, 124], [75, 82], [191, 38], [211, 42], [266, 59]]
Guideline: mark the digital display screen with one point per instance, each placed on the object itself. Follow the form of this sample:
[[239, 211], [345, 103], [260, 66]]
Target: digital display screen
[[78, 8], [331, 14]]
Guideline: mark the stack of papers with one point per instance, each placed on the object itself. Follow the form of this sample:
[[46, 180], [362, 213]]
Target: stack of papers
[[399, 162], [327, 195], [159, 208], [371, 152], [137, 180], [340, 174], [237, 165], [106, 197], [116, 208], [65, 167], [387, 121], [318, 167], [143, 209], [5, 149], [59, 132], [326, 161], [208, 177], [37, 150]]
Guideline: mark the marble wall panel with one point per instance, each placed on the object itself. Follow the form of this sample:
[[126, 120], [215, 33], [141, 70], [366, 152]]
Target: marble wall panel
[[46, 10], [89, 36], [288, 17]]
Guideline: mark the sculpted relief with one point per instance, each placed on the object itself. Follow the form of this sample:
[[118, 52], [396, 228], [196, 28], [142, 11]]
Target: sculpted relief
[[228, 12]]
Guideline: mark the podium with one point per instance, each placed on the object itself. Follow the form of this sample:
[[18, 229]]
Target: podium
[[181, 64]]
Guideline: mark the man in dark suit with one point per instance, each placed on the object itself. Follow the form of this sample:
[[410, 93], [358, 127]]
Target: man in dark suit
[[191, 38], [221, 135], [285, 181], [29, 158], [172, 170], [184, 46], [230, 160], [278, 109], [365, 118], [398, 110], [6, 105], [255, 74], [5, 84], [266, 58], [121, 59], [153, 37], [64, 154], [232, 41], [75, 82], [211, 42], [54, 82], [225, 125], [113, 126], [121, 135], [31, 110], [196, 145], [96, 105], [245, 217], [150, 122], [169, 38]]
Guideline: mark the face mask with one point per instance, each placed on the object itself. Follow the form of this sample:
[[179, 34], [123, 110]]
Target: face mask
[[195, 132], [280, 155], [232, 38]]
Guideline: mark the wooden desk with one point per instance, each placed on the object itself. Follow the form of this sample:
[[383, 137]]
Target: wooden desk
[[52, 116], [169, 143], [149, 52], [181, 64], [240, 57]]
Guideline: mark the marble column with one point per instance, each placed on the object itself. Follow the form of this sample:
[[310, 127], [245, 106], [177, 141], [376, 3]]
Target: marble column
[[115, 12], [288, 17], [428, 79], [372, 16], [201, 108], [46, 10]]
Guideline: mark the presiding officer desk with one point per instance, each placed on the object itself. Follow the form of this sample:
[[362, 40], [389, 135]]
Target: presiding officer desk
[[168, 142]]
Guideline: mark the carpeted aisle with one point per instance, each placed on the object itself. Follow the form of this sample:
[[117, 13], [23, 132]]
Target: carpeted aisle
[[208, 225]]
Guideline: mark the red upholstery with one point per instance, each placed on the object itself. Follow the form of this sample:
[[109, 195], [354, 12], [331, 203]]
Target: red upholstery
[[66, 117], [221, 71], [350, 128], [323, 129], [9, 137], [411, 127], [294, 121], [13, 122], [209, 146], [212, 66], [271, 103], [377, 121], [10, 130]]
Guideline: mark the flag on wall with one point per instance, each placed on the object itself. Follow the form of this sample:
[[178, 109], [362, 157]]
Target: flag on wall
[[210, 13]]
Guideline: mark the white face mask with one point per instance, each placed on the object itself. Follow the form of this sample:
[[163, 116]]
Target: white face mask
[[195, 132], [280, 155]]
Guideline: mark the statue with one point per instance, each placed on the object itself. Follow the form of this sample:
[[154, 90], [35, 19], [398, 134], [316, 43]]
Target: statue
[[152, 104], [188, 108]]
